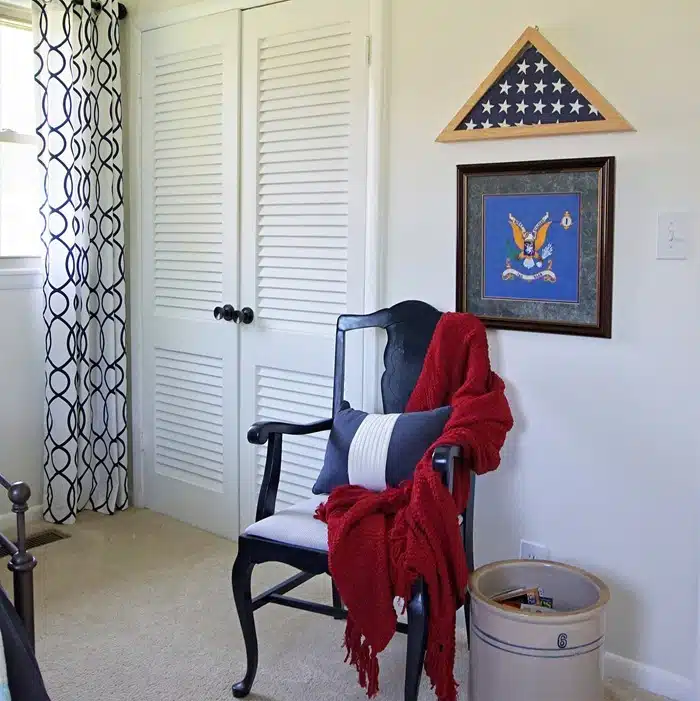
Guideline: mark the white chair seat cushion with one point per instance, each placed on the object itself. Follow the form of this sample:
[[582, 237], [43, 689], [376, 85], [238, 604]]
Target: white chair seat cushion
[[294, 525]]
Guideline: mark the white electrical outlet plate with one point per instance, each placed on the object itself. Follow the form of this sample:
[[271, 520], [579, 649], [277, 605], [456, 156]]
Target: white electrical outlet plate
[[533, 551]]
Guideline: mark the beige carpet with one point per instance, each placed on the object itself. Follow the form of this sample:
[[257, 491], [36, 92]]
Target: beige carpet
[[138, 606]]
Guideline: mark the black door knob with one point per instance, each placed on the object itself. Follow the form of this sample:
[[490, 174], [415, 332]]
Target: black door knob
[[229, 313], [246, 315], [218, 313]]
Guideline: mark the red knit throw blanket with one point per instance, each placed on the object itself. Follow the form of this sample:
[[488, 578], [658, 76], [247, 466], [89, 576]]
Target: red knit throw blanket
[[380, 542]]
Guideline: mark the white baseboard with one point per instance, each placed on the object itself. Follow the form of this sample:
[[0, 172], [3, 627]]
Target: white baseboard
[[653, 679], [8, 521]]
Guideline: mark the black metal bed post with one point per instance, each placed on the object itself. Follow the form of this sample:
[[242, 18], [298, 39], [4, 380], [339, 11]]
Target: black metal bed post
[[22, 563]]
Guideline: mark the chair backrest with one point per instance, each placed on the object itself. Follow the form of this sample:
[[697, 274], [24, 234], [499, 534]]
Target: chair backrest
[[409, 327]]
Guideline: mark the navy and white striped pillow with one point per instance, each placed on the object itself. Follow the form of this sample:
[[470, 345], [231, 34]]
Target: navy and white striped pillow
[[377, 450]]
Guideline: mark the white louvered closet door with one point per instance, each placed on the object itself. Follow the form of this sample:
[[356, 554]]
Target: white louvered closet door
[[304, 166], [190, 90]]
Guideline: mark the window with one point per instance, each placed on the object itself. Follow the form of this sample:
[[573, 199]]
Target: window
[[20, 224]]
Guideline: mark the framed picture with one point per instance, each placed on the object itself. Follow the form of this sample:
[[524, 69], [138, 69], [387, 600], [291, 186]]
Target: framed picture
[[535, 244]]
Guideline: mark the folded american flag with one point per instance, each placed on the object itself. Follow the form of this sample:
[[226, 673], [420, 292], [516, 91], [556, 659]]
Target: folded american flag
[[530, 91]]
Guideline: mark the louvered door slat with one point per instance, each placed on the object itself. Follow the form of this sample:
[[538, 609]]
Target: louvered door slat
[[285, 131], [294, 106], [188, 106], [300, 286], [187, 85], [181, 190], [291, 238], [288, 188], [297, 278], [318, 170], [207, 70], [186, 228], [304, 40], [309, 65], [189, 136], [174, 117], [203, 174], [187, 99], [191, 267], [286, 267], [313, 54]]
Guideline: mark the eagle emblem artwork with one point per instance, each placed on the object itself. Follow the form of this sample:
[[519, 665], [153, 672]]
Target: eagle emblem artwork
[[533, 250], [531, 247]]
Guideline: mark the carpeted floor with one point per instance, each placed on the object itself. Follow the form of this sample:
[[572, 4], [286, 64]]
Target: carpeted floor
[[138, 607]]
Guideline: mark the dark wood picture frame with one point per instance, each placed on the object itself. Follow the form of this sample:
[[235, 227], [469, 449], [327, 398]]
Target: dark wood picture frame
[[600, 324]]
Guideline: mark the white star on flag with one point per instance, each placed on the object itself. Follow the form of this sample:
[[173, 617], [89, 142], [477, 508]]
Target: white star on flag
[[486, 124], [503, 124], [540, 86], [576, 106], [558, 86], [557, 107], [541, 65], [522, 106], [522, 86], [522, 67], [539, 106], [505, 87], [471, 125], [505, 106], [592, 110], [487, 106]]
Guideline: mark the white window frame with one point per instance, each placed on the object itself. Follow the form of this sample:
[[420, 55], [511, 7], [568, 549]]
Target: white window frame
[[15, 14], [20, 18], [18, 271]]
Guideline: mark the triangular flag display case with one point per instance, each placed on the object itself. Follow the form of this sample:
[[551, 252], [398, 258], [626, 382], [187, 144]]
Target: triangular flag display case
[[533, 91]]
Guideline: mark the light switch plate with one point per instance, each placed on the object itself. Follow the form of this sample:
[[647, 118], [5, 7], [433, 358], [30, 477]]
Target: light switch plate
[[673, 235]]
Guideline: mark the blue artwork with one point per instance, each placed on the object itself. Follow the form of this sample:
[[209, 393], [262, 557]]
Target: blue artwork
[[531, 247]]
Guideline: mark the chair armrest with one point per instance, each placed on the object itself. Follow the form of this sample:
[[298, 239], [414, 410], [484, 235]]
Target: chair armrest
[[444, 457], [261, 431], [271, 432]]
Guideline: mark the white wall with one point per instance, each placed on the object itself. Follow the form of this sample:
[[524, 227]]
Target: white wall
[[602, 464], [21, 379]]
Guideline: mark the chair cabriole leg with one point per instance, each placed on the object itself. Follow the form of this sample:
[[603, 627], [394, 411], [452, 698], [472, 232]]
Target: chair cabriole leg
[[417, 611], [240, 580]]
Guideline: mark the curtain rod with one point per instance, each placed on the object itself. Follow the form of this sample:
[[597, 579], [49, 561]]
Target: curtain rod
[[97, 6]]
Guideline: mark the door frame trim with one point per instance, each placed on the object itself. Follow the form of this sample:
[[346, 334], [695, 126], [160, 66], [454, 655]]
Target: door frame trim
[[377, 198], [377, 208], [183, 13], [132, 171]]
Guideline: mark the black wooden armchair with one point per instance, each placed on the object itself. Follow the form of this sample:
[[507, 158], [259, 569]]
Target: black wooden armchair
[[295, 538]]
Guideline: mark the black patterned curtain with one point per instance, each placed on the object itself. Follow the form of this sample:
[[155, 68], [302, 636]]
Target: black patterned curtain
[[80, 130]]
